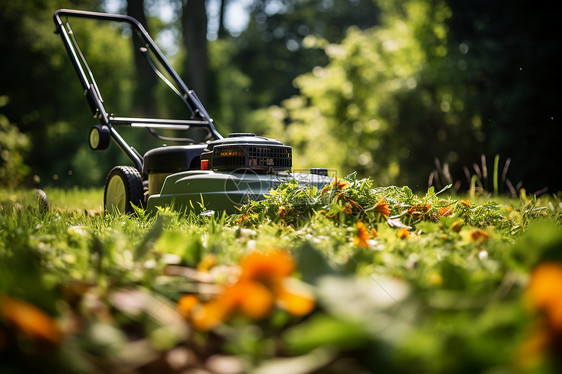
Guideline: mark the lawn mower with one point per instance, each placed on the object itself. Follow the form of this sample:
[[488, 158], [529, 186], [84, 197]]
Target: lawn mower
[[212, 174]]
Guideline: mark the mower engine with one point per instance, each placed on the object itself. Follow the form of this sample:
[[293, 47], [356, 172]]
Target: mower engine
[[246, 151]]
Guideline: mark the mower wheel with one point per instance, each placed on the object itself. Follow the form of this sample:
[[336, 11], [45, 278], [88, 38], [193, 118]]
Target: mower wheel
[[99, 138], [123, 187]]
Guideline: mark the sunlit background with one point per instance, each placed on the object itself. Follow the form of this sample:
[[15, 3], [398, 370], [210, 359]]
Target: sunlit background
[[417, 92]]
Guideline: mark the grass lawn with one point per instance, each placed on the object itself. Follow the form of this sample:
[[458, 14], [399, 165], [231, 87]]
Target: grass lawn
[[355, 278]]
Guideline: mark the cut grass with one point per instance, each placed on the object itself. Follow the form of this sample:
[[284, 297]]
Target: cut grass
[[446, 297]]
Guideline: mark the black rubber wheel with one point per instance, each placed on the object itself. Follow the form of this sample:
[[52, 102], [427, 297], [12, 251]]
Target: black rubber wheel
[[99, 138], [123, 187]]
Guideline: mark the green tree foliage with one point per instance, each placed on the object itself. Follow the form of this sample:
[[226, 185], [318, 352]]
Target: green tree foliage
[[229, 89], [46, 99], [271, 51], [433, 81], [377, 105], [13, 146]]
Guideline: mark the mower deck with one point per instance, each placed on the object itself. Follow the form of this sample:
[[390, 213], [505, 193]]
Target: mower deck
[[201, 190]]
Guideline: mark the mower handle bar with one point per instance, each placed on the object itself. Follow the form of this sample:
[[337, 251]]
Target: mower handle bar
[[94, 97]]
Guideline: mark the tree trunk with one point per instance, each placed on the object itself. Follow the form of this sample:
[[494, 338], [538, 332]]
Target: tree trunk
[[222, 30], [145, 78], [194, 28]]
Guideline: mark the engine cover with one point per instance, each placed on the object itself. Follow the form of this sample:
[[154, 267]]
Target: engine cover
[[248, 152]]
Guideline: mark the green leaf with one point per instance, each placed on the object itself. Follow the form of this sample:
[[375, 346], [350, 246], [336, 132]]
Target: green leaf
[[149, 239], [312, 264], [321, 331]]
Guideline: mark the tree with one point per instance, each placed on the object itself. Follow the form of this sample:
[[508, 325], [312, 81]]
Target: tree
[[194, 30], [145, 79], [222, 33]]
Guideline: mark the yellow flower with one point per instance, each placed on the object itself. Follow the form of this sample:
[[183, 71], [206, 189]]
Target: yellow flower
[[403, 233], [457, 226], [382, 208], [29, 319], [208, 261], [465, 203], [435, 279], [363, 236]]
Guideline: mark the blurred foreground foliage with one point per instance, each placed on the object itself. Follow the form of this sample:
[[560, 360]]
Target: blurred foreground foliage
[[351, 278]]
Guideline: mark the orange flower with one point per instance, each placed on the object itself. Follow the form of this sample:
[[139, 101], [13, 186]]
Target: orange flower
[[445, 211], [479, 234], [282, 211], [374, 233], [186, 305], [29, 319], [208, 315], [465, 203], [296, 302], [545, 292], [532, 350], [267, 267], [363, 236], [403, 233], [243, 218], [545, 295], [419, 209], [261, 286], [252, 298], [382, 208], [337, 185]]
